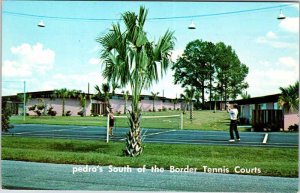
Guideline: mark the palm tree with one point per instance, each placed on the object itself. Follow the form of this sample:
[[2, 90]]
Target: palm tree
[[174, 101], [82, 102], [289, 99], [63, 94], [105, 89], [245, 95], [126, 96], [190, 94], [114, 87], [131, 59], [154, 97]]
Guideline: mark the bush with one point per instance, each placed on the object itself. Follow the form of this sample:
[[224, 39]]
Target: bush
[[294, 127], [81, 113], [68, 113], [178, 109], [38, 113], [164, 109], [40, 107], [37, 109], [150, 110], [51, 112], [32, 108], [170, 109], [159, 110], [5, 114]]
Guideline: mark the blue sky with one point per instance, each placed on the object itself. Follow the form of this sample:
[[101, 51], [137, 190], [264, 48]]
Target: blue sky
[[65, 53]]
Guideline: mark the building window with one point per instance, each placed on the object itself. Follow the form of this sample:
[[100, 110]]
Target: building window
[[276, 106]]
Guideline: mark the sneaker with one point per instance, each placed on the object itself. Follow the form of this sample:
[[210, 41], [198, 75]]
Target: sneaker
[[231, 140], [238, 140]]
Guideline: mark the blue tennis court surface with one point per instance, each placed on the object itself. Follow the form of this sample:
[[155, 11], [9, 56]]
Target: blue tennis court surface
[[167, 136]]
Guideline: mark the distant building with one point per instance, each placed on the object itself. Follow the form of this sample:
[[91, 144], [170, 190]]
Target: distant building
[[93, 105], [265, 109]]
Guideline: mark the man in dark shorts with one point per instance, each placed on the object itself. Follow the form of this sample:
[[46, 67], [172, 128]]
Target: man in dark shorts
[[111, 121], [233, 114]]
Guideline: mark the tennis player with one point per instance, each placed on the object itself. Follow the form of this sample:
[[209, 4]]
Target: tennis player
[[233, 114], [111, 121]]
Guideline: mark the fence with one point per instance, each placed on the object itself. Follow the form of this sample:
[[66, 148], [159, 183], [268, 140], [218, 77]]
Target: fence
[[267, 120]]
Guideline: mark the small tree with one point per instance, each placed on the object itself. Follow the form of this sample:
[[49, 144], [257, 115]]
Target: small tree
[[63, 94], [190, 94], [289, 99], [5, 115], [154, 97], [175, 101], [245, 95], [126, 96]]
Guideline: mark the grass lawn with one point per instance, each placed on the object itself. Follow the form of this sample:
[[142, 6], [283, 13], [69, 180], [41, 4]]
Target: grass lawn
[[271, 161], [203, 120]]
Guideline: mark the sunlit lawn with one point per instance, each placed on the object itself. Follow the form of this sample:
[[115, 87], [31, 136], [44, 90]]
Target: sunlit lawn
[[271, 161], [202, 120]]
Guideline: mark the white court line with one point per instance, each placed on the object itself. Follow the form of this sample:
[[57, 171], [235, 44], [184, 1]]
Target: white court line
[[265, 138], [198, 140], [223, 144], [152, 134], [159, 132], [46, 131]]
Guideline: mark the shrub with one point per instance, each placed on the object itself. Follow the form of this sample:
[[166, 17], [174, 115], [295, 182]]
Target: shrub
[[178, 109], [37, 109], [150, 110], [170, 109], [294, 127], [164, 109], [6, 113], [38, 113], [159, 110], [40, 107], [32, 108], [51, 112], [81, 113], [68, 113]]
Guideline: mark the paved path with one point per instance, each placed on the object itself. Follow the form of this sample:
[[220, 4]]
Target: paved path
[[275, 139], [31, 175]]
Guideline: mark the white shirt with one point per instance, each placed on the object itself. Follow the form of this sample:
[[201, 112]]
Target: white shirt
[[233, 113]]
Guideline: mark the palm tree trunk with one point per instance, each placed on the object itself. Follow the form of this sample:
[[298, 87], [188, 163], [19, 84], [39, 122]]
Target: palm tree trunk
[[153, 109], [63, 107], [134, 140], [191, 110], [125, 107]]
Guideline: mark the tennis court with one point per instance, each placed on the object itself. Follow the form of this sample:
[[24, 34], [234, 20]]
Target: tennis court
[[167, 136]]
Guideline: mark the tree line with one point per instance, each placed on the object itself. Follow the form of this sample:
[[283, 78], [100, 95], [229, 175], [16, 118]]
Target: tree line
[[211, 69]]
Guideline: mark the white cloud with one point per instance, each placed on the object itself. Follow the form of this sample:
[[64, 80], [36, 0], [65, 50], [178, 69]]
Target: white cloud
[[271, 39], [290, 24], [296, 5], [271, 35], [289, 62], [268, 79], [95, 61], [28, 59]]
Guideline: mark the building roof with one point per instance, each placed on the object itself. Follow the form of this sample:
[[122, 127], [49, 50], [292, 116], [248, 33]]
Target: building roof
[[258, 100], [49, 94]]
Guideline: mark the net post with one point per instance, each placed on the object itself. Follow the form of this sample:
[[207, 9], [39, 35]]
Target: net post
[[24, 102], [107, 129], [181, 120]]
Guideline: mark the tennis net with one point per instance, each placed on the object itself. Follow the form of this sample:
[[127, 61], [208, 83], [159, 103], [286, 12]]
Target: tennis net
[[148, 124]]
